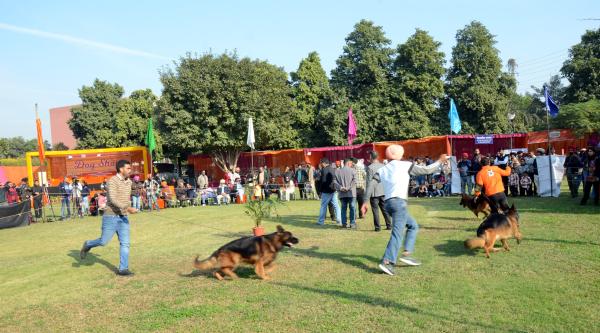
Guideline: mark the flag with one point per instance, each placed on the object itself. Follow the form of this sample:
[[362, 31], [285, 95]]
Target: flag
[[250, 140], [351, 127], [550, 105], [40, 139], [150, 140], [455, 125]]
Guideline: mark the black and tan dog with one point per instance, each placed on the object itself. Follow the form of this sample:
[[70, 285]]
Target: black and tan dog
[[258, 251], [496, 227], [476, 204]]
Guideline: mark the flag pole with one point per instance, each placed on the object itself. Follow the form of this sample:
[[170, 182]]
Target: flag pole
[[549, 146]]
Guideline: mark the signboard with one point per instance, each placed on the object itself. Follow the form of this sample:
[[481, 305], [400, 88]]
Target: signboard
[[484, 139], [554, 134], [93, 165]]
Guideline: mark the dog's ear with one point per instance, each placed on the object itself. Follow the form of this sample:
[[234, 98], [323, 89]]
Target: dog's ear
[[280, 229], [513, 208]]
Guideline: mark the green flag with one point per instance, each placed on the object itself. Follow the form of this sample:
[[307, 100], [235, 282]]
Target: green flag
[[150, 141]]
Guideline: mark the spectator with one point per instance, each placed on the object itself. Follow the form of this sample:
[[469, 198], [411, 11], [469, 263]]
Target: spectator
[[3, 188], [23, 190], [345, 182], [272, 188], [65, 190], [525, 182], [513, 182], [361, 184], [312, 175], [207, 194], [490, 180], [422, 192], [536, 181], [287, 175], [573, 167], [76, 195], [37, 192], [181, 193], [223, 193], [103, 185], [152, 189], [413, 188], [464, 167], [501, 161], [301, 178], [85, 196], [262, 181], [136, 192], [592, 179], [437, 188], [290, 190], [202, 180], [191, 194], [12, 195], [238, 190], [326, 186], [235, 175]]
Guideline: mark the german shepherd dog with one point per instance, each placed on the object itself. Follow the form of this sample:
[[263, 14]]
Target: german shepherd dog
[[476, 205], [496, 226], [258, 251]]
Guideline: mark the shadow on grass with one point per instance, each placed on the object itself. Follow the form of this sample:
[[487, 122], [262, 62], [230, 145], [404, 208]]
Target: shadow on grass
[[243, 272], [453, 248], [345, 258], [90, 260], [379, 301], [560, 241], [428, 227], [304, 221]]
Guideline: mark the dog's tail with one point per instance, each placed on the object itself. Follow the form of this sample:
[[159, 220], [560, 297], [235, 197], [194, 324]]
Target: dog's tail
[[474, 243], [208, 264]]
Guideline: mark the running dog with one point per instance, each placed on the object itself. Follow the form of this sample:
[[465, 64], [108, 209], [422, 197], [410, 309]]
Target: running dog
[[476, 204], [257, 251], [496, 227]]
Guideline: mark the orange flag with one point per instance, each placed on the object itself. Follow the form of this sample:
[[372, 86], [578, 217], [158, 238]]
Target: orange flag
[[40, 139]]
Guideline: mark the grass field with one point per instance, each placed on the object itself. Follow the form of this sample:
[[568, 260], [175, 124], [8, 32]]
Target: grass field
[[328, 283]]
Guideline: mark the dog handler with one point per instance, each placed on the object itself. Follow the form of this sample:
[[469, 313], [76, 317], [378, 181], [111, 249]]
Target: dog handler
[[115, 216], [395, 178], [490, 179]]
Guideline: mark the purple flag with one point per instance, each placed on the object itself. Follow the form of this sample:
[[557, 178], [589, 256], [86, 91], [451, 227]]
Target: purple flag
[[351, 127]]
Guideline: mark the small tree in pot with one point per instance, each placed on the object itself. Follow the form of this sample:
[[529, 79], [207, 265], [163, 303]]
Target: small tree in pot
[[259, 210]]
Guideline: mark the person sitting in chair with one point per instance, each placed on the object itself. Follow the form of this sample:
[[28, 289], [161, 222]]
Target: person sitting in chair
[[238, 190], [223, 192], [272, 188]]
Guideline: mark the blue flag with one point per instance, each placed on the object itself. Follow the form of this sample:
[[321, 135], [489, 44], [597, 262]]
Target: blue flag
[[550, 105], [455, 125]]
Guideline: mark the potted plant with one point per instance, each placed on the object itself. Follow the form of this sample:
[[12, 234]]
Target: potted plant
[[259, 210]]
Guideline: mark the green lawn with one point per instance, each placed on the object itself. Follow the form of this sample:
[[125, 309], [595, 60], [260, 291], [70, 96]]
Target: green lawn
[[328, 283]]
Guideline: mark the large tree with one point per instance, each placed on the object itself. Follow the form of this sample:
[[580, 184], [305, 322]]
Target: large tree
[[312, 94], [583, 118], [106, 119], [582, 69], [477, 83], [207, 100], [417, 86], [17, 146], [363, 74]]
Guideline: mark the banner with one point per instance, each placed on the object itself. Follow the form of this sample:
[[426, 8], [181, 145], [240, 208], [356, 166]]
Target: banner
[[455, 181], [484, 139], [15, 215], [95, 165], [549, 183]]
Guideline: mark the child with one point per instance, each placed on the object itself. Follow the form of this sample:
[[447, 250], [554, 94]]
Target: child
[[422, 191], [513, 182], [525, 181]]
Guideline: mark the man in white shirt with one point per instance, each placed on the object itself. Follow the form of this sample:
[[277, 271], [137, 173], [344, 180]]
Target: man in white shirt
[[395, 178]]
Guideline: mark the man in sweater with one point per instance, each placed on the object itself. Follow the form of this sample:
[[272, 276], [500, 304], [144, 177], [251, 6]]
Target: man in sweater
[[345, 182], [115, 218], [395, 177], [377, 197], [328, 192]]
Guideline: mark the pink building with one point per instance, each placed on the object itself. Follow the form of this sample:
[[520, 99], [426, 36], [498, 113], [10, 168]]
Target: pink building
[[59, 128]]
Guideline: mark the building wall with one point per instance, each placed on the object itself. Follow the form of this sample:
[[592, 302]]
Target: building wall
[[59, 129]]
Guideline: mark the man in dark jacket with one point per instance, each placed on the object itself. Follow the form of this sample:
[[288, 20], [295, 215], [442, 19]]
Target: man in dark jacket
[[301, 178], [37, 199], [377, 198], [328, 191], [592, 180], [345, 183], [573, 168]]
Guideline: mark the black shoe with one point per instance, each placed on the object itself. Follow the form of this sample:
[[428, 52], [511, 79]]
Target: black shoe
[[84, 251], [377, 229], [388, 228], [125, 272]]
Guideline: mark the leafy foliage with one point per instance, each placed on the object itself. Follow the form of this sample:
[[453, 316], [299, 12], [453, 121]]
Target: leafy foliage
[[582, 69], [583, 118], [258, 210]]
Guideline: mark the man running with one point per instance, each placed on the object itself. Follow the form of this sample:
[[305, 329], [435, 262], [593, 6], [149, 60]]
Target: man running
[[395, 177], [115, 218]]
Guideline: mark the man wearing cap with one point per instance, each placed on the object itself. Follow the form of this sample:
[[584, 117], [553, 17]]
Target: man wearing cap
[[377, 198], [466, 182], [395, 177]]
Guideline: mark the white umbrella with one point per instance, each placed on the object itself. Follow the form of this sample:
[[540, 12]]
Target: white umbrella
[[250, 140]]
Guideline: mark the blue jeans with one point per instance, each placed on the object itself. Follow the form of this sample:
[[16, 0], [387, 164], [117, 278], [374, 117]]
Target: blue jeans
[[65, 206], [152, 201], [135, 201], [325, 199], [345, 203], [85, 204], [397, 209], [110, 225], [466, 184]]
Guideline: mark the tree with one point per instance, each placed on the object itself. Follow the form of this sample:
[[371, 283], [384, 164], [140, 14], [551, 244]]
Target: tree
[[417, 87], [59, 146], [362, 74], [17, 146], [582, 69], [207, 101], [93, 123], [476, 82], [535, 113], [312, 93], [582, 118]]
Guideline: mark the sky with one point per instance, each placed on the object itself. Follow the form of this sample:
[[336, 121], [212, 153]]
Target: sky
[[50, 49]]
